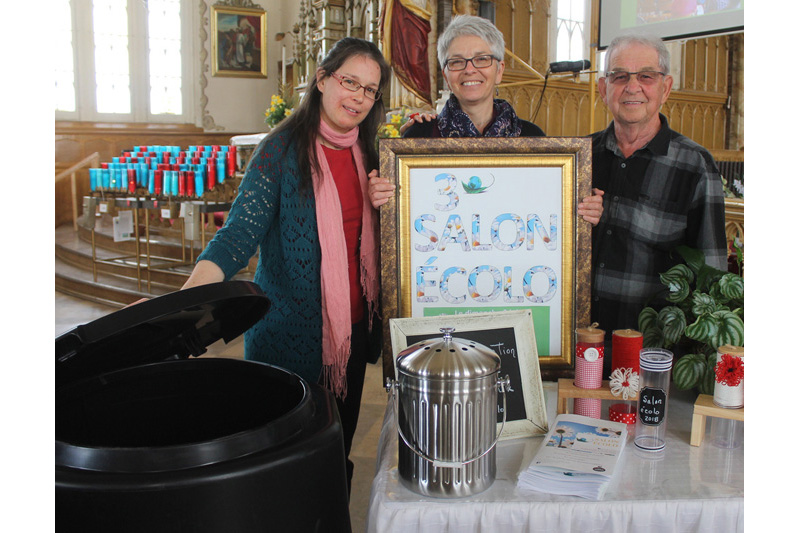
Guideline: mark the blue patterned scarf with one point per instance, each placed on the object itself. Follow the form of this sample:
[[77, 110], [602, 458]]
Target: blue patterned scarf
[[454, 122]]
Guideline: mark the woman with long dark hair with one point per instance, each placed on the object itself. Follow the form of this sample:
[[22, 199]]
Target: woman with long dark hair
[[303, 203]]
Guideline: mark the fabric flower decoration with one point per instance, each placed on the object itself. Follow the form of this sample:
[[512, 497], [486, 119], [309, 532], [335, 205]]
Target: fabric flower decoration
[[729, 370], [624, 382]]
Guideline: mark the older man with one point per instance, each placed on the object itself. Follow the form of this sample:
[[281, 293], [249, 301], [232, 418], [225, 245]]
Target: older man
[[660, 189]]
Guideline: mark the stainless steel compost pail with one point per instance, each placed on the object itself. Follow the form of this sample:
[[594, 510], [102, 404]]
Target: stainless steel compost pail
[[445, 399]]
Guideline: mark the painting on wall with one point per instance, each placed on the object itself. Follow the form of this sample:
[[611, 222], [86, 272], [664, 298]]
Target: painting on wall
[[239, 42]]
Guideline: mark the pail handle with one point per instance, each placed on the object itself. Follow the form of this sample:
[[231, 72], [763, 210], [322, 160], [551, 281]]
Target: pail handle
[[502, 384]]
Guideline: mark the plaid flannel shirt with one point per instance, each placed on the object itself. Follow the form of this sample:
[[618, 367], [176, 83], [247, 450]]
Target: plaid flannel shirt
[[666, 194]]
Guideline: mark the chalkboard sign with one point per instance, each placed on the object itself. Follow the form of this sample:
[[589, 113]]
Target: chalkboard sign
[[510, 334], [652, 406]]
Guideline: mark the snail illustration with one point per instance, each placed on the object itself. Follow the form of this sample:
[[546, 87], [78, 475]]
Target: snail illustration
[[475, 185]]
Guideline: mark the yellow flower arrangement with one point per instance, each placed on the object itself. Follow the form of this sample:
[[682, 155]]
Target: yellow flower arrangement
[[278, 110], [391, 129], [388, 131]]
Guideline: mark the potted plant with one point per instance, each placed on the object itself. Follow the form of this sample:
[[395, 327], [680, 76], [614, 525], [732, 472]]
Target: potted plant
[[704, 310]]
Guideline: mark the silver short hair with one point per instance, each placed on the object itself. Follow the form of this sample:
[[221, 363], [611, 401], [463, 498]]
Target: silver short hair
[[625, 40], [465, 25]]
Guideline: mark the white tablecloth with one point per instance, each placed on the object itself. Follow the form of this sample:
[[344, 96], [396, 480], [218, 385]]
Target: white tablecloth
[[688, 488]]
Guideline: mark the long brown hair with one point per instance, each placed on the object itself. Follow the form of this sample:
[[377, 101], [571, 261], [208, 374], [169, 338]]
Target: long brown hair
[[303, 123]]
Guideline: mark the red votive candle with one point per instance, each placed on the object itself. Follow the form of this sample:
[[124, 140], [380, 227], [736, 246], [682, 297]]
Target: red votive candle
[[234, 162], [212, 175], [131, 180], [231, 164], [190, 187]]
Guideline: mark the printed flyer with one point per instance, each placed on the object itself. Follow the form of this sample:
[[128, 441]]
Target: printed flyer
[[577, 457]]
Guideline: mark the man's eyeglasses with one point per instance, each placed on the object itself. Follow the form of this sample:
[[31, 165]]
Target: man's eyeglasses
[[353, 85], [477, 62], [645, 77]]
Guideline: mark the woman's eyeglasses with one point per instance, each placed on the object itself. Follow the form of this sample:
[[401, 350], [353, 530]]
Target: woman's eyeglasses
[[352, 85], [645, 77], [459, 63]]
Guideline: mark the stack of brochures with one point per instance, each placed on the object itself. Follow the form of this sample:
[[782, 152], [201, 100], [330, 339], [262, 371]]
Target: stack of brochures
[[577, 457]]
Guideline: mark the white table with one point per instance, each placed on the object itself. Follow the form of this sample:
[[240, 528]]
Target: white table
[[687, 488], [245, 144]]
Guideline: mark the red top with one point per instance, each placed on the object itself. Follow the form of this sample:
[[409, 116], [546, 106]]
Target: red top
[[345, 175]]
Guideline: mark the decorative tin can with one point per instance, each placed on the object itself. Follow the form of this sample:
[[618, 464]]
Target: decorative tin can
[[445, 399], [729, 377], [589, 351], [626, 344]]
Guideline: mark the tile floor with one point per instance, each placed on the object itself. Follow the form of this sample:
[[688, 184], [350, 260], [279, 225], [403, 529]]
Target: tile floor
[[70, 312]]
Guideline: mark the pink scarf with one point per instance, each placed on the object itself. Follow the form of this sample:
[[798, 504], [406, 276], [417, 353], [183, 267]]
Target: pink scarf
[[336, 326]]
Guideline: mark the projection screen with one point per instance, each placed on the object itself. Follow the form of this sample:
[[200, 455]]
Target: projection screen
[[669, 19]]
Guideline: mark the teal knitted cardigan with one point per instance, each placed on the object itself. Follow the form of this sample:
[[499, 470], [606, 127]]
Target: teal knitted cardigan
[[271, 214]]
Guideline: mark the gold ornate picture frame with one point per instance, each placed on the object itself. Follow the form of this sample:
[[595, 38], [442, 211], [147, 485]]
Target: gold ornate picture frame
[[238, 42], [484, 225]]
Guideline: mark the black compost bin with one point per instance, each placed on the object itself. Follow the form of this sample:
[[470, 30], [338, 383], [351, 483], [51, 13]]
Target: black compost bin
[[150, 440]]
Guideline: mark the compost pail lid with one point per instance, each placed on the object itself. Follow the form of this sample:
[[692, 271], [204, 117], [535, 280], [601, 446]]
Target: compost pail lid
[[173, 326]]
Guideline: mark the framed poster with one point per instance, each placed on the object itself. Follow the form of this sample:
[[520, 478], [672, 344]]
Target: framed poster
[[510, 335], [484, 225], [238, 42]]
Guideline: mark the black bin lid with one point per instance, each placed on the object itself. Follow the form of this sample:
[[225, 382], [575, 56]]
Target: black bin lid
[[174, 326]]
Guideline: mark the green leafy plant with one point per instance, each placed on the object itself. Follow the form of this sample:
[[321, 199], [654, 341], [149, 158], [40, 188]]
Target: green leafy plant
[[705, 310]]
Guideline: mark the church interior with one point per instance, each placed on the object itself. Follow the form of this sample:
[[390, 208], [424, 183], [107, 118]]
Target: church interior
[[203, 91]]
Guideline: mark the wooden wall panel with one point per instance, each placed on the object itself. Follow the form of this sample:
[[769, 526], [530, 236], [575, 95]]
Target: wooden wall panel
[[566, 107], [698, 109], [524, 26], [705, 65]]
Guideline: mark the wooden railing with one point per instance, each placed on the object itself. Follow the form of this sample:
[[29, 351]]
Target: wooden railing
[[92, 161]]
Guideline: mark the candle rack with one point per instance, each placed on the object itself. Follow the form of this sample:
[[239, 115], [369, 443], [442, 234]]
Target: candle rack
[[704, 407], [567, 389]]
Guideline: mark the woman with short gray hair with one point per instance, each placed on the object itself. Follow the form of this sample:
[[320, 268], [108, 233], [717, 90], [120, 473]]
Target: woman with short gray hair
[[471, 51]]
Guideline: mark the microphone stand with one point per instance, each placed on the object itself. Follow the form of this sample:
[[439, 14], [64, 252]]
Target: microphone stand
[[544, 86]]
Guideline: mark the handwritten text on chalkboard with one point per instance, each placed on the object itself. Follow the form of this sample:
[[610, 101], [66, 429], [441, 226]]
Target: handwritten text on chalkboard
[[652, 406]]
